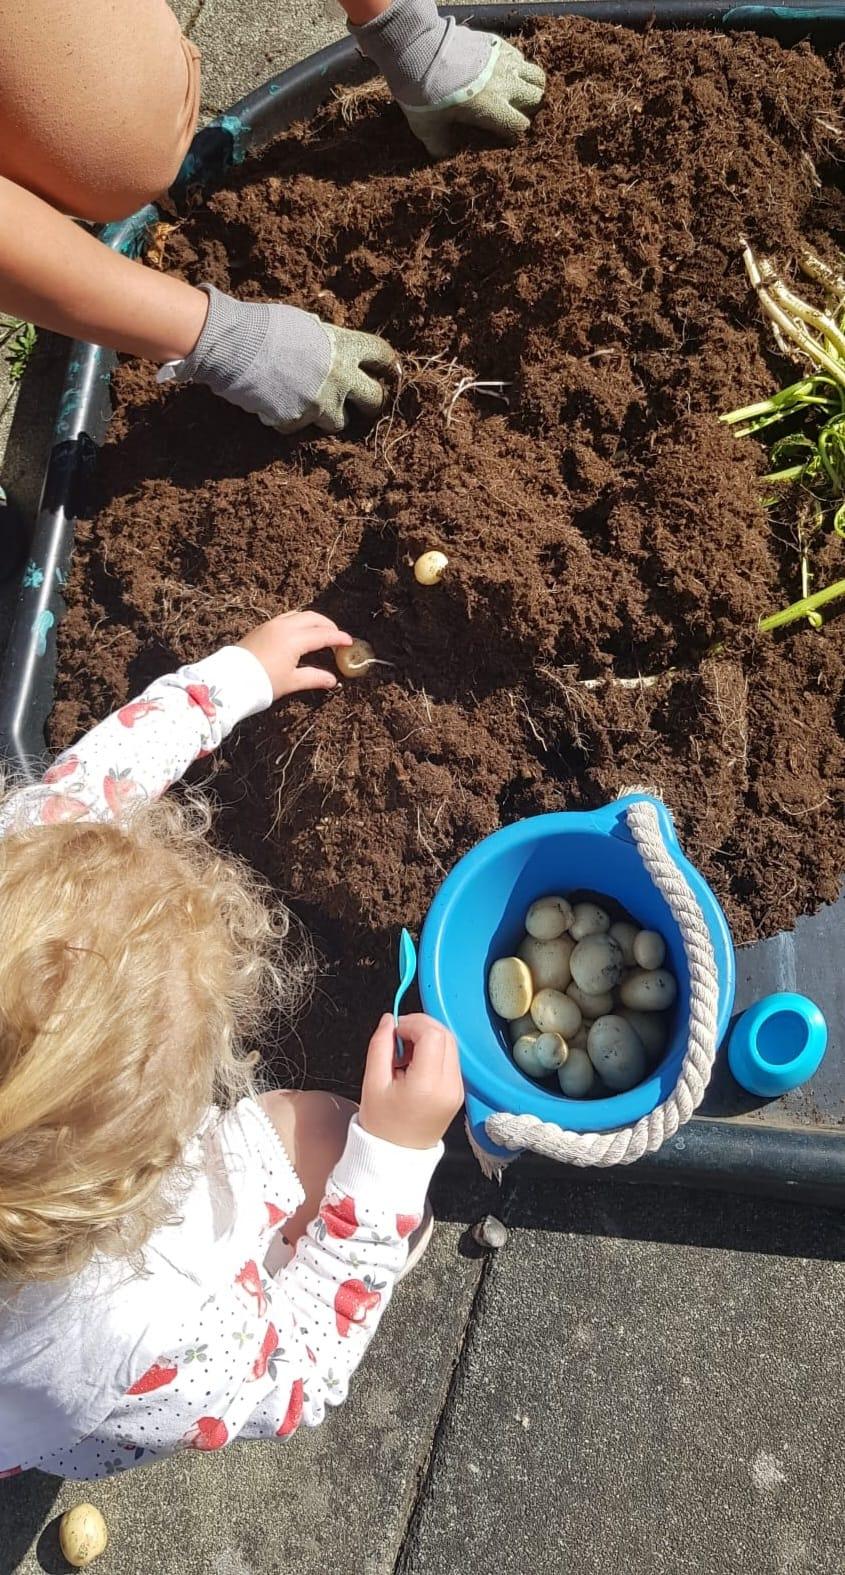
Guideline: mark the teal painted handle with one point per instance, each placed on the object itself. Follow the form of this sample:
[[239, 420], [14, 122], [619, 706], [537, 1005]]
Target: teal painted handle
[[820, 12]]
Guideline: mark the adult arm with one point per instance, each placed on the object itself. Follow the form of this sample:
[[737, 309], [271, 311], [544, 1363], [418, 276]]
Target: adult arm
[[56, 274], [359, 12], [281, 364]]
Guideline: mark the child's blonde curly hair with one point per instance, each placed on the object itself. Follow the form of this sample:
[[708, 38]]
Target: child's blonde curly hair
[[136, 963]]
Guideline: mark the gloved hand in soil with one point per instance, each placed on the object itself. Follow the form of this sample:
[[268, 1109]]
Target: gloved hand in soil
[[284, 365], [444, 76]]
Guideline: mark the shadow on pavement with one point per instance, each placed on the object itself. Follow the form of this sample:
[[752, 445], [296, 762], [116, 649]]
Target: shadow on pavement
[[596, 1204], [31, 431], [25, 1501]]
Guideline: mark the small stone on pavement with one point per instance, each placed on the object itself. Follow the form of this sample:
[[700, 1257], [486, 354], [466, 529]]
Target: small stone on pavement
[[490, 1232]]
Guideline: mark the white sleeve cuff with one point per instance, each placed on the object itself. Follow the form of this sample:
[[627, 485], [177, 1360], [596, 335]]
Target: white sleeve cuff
[[371, 1167], [242, 683]]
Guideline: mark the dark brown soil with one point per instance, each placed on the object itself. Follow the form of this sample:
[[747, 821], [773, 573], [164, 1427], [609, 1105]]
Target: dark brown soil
[[599, 525]]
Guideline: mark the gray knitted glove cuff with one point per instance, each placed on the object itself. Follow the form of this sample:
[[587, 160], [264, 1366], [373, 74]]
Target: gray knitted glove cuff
[[284, 365], [270, 359], [422, 56], [233, 334]]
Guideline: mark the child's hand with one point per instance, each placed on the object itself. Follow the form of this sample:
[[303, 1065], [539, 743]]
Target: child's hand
[[411, 1102], [280, 644]]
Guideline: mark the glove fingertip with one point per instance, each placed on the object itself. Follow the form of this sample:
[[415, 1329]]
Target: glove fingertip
[[438, 148], [527, 98], [330, 424], [535, 76]]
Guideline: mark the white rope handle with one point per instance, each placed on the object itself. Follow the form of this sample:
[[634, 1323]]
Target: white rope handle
[[627, 1144]]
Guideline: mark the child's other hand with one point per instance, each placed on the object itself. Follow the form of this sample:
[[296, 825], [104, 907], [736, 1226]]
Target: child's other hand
[[281, 643], [411, 1102]]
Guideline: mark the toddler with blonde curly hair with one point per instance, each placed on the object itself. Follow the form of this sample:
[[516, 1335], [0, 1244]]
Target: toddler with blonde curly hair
[[183, 1260]]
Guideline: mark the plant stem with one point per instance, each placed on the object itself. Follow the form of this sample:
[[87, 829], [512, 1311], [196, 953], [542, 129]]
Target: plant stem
[[810, 315], [822, 272], [792, 473], [795, 397], [814, 619], [802, 608], [749, 412], [789, 328]]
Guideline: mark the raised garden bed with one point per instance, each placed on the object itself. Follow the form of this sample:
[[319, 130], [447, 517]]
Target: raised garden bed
[[600, 525]]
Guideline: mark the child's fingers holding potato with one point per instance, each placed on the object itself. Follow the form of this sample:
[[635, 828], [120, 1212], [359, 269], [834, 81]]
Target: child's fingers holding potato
[[282, 642]]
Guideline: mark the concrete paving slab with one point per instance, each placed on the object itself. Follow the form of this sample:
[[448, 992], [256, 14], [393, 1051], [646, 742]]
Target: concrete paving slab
[[335, 1499], [187, 12], [636, 1406], [244, 45], [26, 426]]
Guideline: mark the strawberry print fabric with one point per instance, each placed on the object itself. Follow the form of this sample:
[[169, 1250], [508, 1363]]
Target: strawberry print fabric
[[118, 1370], [146, 746], [268, 1352]]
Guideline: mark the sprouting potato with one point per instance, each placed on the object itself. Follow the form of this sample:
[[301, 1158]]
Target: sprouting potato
[[624, 935], [591, 1006], [551, 1051], [555, 1013], [548, 917], [525, 1055], [651, 1028], [588, 919], [510, 988], [430, 567], [616, 1053], [522, 1025], [577, 1076], [649, 950], [548, 961], [355, 660], [596, 964], [648, 990]]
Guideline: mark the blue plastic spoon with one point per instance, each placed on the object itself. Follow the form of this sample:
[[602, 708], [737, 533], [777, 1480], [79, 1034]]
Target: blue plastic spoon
[[407, 975]]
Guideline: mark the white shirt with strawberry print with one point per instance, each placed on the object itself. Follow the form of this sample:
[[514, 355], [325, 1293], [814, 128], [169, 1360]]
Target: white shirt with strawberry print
[[214, 1340]]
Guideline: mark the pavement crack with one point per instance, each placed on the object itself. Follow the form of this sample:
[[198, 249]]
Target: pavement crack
[[194, 17], [401, 1566]]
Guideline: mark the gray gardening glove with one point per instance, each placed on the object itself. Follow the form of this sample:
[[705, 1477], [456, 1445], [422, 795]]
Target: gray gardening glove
[[444, 76], [283, 365]]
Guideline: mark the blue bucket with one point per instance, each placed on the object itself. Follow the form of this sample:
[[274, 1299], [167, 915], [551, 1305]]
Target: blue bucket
[[478, 915]]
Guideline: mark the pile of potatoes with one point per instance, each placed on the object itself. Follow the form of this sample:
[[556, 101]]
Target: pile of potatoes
[[585, 997]]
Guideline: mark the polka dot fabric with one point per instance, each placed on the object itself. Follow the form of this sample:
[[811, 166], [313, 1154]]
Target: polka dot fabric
[[269, 1351], [250, 1353]]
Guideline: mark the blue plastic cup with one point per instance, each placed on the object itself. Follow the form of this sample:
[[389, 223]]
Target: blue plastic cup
[[777, 1044], [478, 915]]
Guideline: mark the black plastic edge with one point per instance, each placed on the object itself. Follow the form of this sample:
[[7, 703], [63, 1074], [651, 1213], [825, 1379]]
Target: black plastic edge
[[804, 1164], [29, 667]]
